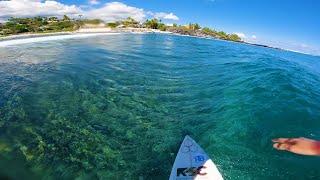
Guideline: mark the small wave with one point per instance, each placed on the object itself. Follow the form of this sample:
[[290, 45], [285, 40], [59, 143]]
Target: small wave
[[138, 32], [49, 38]]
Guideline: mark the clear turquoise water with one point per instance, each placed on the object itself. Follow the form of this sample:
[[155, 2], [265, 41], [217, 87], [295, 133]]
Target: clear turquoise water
[[109, 107]]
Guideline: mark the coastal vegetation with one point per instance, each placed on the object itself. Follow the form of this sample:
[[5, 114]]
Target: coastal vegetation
[[39, 24]]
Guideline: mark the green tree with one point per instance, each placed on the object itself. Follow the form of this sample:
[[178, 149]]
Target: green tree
[[130, 22], [153, 23], [21, 28], [194, 27], [16, 25], [113, 24], [65, 18], [210, 32], [53, 19], [162, 27], [222, 35], [234, 37]]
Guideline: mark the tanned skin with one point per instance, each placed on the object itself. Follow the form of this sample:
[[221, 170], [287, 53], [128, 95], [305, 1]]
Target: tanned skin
[[300, 145]]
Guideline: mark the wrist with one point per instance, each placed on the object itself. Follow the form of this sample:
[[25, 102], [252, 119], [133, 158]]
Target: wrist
[[316, 148]]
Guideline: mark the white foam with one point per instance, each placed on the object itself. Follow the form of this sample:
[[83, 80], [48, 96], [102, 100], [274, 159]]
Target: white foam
[[49, 38], [134, 32]]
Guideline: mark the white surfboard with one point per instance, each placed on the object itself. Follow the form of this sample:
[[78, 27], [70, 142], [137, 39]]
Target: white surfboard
[[193, 163]]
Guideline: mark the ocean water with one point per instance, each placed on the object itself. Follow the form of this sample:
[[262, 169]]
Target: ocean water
[[118, 107]]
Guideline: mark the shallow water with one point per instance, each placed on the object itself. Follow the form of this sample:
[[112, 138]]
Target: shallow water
[[116, 106]]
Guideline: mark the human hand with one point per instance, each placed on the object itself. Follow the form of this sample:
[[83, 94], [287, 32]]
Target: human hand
[[301, 145]]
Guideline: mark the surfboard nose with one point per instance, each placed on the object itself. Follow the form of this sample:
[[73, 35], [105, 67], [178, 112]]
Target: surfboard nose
[[187, 137], [193, 163]]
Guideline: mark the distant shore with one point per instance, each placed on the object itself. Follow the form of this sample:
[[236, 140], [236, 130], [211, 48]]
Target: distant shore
[[82, 31]]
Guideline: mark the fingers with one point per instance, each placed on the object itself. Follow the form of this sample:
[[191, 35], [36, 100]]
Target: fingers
[[280, 146], [280, 140]]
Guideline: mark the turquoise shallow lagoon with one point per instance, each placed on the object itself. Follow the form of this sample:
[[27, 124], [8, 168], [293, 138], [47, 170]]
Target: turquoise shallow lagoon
[[109, 107]]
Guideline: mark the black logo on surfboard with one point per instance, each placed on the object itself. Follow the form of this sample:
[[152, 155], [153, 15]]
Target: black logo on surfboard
[[191, 171]]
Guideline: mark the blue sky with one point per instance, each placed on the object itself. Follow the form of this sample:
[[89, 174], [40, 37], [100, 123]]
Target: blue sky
[[289, 24]]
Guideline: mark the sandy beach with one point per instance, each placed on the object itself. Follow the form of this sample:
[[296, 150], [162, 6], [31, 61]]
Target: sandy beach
[[83, 31]]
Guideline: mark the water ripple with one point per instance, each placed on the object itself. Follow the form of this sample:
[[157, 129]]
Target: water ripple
[[110, 106]]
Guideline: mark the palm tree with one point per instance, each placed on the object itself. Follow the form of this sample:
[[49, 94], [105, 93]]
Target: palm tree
[[65, 18], [153, 23]]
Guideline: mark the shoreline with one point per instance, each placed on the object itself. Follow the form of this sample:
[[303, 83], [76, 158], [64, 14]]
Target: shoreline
[[87, 32], [81, 31], [33, 35], [53, 36]]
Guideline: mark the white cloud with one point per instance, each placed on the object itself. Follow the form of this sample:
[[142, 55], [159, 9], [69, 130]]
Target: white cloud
[[112, 11], [27, 8], [167, 16], [246, 37], [296, 47], [115, 11], [241, 35], [94, 2]]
